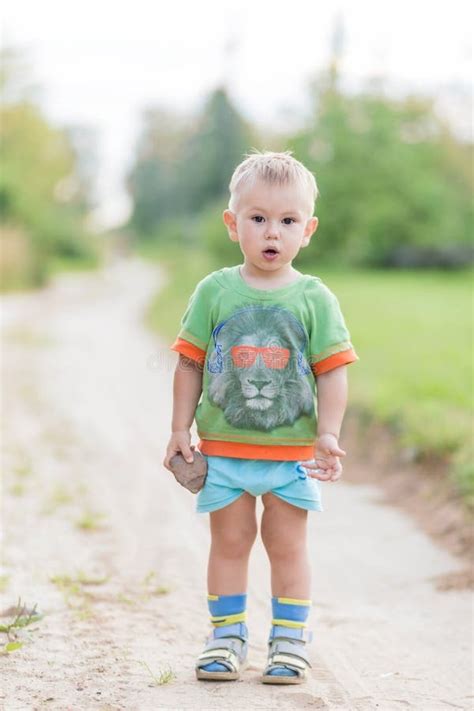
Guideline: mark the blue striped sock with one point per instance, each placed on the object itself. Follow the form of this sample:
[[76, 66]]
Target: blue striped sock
[[227, 609], [289, 619], [228, 613]]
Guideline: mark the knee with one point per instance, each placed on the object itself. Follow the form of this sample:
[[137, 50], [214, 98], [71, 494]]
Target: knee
[[236, 542], [281, 547], [282, 542]]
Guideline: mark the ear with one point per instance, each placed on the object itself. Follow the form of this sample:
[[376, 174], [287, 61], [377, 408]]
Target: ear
[[309, 230], [230, 221]]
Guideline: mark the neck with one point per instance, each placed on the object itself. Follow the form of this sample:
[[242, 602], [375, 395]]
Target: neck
[[281, 277]]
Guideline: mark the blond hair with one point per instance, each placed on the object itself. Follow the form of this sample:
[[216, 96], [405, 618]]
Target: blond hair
[[273, 168]]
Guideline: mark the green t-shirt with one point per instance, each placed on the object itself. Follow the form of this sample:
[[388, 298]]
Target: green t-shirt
[[261, 351]]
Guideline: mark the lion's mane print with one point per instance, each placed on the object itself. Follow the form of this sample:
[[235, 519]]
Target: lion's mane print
[[257, 396]]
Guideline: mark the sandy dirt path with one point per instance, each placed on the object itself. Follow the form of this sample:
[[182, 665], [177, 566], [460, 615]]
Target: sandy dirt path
[[98, 534]]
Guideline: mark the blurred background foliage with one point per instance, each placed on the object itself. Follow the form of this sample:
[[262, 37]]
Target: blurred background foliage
[[395, 183], [394, 241], [44, 188]]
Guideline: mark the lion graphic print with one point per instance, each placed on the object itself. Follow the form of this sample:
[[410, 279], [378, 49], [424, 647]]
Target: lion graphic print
[[258, 370]]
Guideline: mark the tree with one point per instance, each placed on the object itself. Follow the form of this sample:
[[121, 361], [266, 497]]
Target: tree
[[153, 181], [390, 180], [182, 167], [212, 152], [42, 197]]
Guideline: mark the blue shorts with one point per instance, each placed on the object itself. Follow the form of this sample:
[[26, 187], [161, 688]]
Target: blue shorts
[[228, 478]]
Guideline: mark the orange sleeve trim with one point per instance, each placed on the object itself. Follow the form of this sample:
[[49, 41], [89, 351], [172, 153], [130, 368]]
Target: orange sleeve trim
[[242, 450], [189, 350], [334, 361]]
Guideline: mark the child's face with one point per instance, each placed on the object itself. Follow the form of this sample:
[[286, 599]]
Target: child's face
[[271, 224]]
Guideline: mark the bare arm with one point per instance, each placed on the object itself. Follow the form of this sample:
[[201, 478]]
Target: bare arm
[[187, 388], [332, 401]]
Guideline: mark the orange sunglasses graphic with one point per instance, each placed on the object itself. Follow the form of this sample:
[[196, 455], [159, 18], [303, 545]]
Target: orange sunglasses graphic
[[273, 356]]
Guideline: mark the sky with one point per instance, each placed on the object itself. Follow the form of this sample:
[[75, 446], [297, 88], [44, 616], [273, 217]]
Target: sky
[[100, 63]]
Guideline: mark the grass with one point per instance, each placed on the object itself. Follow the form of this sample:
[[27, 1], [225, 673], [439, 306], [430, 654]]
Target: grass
[[121, 597], [23, 267], [60, 496], [90, 521], [17, 489], [21, 617], [414, 338], [413, 332], [23, 470], [151, 588], [163, 676], [83, 263], [27, 337], [21, 473], [166, 309], [76, 593], [67, 583]]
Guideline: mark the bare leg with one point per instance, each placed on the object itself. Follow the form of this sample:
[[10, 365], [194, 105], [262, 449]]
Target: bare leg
[[233, 532], [283, 532], [284, 537]]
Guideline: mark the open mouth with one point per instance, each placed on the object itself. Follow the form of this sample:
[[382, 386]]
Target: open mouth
[[270, 251]]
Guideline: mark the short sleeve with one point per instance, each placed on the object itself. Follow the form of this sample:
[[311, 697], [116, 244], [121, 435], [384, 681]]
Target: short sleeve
[[330, 344], [196, 323]]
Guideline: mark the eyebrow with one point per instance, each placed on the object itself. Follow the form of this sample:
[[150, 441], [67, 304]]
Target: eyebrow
[[262, 209]]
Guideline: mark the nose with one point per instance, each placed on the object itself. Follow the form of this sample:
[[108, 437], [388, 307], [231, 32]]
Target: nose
[[272, 230], [259, 384]]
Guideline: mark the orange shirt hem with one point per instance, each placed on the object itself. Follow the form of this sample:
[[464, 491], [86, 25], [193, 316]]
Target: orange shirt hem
[[189, 350], [334, 361], [242, 450]]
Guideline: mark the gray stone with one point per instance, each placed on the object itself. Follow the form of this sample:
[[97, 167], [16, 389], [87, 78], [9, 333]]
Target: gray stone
[[191, 475]]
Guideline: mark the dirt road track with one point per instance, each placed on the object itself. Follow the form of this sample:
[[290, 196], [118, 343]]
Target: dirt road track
[[86, 394]]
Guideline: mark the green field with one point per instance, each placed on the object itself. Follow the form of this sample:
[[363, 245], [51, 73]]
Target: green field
[[413, 333]]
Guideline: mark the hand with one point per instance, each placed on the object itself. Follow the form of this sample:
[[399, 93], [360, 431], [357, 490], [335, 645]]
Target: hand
[[180, 442], [326, 465]]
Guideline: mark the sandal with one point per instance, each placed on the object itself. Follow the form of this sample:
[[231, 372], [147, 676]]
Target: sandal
[[289, 654], [228, 649]]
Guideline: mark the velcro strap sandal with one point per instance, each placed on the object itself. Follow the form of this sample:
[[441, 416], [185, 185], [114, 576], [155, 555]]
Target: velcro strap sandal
[[229, 651], [290, 654]]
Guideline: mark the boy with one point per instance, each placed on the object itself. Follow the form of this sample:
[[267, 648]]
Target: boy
[[254, 341]]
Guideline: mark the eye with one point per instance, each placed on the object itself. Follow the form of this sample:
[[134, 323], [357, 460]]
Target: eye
[[288, 220], [258, 218]]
